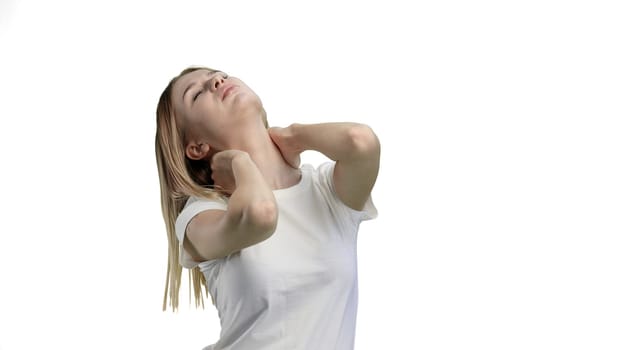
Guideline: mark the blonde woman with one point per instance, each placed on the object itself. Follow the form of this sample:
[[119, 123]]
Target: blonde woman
[[273, 242]]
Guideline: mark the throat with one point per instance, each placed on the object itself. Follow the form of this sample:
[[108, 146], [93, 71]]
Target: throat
[[289, 179]]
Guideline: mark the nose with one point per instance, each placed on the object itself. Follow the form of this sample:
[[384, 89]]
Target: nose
[[215, 82]]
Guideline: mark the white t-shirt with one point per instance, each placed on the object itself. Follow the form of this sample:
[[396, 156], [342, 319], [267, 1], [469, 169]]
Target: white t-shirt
[[297, 289]]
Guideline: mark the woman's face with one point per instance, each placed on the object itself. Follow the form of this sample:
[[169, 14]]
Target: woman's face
[[211, 105]]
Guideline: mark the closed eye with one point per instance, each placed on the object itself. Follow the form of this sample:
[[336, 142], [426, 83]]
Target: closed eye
[[197, 95]]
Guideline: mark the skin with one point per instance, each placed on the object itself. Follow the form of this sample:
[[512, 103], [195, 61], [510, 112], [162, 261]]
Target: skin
[[249, 161]]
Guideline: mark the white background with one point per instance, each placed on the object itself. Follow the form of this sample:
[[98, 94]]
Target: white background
[[499, 193]]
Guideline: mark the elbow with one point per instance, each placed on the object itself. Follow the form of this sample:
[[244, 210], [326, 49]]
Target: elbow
[[363, 141], [262, 217]]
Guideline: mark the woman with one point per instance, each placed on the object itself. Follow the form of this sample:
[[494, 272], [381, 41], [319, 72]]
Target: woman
[[274, 243]]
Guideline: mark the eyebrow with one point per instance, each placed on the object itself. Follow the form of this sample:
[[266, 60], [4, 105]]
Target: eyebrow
[[183, 96]]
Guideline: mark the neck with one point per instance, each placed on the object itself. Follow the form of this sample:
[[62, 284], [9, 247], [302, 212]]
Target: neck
[[266, 155]]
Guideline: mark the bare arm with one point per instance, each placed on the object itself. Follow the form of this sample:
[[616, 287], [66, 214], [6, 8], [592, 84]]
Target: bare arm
[[251, 215], [354, 147]]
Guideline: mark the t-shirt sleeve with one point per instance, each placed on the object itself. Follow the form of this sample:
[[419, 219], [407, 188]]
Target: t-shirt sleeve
[[193, 207], [369, 211]]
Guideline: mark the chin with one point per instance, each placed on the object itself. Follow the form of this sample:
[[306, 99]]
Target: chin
[[245, 102]]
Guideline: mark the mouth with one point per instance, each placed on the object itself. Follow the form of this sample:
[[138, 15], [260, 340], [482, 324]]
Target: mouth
[[227, 91]]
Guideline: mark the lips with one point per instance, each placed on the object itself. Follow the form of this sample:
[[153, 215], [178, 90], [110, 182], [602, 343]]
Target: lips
[[226, 91]]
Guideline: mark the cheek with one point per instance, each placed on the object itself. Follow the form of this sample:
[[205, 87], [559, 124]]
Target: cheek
[[206, 122], [191, 123]]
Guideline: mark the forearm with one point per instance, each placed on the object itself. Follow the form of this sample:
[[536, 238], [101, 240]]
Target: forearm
[[252, 202], [354, 148], [337, 141]]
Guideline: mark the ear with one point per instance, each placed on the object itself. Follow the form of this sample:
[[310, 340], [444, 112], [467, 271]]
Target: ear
[[197, 151]]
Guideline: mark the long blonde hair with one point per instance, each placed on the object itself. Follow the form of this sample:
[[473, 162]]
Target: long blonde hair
[[180, 178]]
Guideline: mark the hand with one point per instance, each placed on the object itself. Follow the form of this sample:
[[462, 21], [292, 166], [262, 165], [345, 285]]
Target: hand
[[284, 139], [222, 171]]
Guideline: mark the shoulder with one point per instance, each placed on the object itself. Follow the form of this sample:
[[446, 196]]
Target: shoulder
[[194, 206], [323, 181]]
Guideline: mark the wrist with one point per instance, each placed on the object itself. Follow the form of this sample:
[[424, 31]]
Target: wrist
[[295, 137], [241, 161]]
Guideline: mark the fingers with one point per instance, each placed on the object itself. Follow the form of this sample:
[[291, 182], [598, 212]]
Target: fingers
[[275, 133], [221, 173]]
